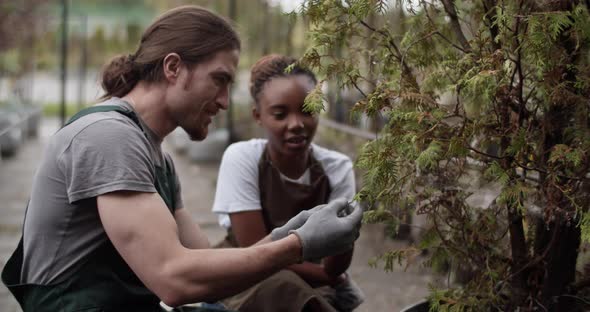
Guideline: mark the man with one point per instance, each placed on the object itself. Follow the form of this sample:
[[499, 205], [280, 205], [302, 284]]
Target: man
[[106, 230]]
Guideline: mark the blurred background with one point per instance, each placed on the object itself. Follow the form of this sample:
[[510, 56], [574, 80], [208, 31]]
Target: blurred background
[[52, 51]]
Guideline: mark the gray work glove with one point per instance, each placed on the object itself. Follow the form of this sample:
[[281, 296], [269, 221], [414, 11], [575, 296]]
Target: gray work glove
[[293, 224], [326, 234]]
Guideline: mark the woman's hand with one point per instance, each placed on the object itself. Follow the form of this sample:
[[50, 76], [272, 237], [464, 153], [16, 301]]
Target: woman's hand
[[338, 264], [337, 280]]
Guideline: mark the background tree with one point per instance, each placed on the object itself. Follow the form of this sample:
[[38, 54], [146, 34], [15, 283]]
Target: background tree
[[19, 21], [485, 95]]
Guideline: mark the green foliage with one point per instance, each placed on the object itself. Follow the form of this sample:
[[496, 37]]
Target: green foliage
[[496, 172], [562, 154], [499, 103], [513, 196], [442, 301], [429, 158], [390, 258], [314, 101]]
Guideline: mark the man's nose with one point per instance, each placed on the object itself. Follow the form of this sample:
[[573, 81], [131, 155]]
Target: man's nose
[[223, 98]]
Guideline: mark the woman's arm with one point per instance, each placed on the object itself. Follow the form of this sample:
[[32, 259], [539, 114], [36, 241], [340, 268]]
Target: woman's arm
[[248, 229], [315, 274], [335, 266]]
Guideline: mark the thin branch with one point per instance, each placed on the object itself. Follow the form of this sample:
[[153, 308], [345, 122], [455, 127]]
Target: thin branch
[[455, 25], [446, 242], [391, 43], [546, 172], [462, 49], [489, 6], [451, 43], [456, 110], [485, 154], [358, 89], [368, 81], [526, 99], [522, 111], [513, 75], [524, 166]]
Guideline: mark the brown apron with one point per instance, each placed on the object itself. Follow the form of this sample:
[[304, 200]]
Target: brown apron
[[281, 200]]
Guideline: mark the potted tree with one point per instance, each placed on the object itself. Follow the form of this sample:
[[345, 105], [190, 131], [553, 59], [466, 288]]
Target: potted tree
[[486, 109]]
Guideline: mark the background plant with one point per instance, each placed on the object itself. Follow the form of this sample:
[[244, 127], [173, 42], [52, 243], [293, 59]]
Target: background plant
[[474, 95]]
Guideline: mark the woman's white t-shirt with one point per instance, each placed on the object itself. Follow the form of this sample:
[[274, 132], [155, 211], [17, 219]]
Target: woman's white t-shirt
[[237, 185]]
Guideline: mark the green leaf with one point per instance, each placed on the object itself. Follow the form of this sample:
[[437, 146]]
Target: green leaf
[[429, 158], [314, 101], [495, 172]]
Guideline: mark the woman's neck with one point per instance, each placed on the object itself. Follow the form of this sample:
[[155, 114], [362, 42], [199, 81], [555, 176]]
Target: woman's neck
[[292, 166]]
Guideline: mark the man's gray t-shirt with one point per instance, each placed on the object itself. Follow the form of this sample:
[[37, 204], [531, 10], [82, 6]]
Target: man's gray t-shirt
[[99, 153]]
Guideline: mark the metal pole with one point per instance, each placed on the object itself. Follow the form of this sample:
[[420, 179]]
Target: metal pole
[[83, 62], [266, 33], [230, 108], [64, 58]]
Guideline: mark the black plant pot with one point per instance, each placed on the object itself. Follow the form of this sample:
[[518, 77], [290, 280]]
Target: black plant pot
[[420, 306]]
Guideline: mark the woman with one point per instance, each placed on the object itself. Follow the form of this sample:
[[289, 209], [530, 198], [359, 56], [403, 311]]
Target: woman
[[264, 182]]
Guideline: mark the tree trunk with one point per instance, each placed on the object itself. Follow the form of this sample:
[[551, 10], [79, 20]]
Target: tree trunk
[[518, 247], [557, 239], [559, 263]]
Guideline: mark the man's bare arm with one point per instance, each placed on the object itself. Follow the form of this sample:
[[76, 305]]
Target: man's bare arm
[[191, 235], [146, 235]]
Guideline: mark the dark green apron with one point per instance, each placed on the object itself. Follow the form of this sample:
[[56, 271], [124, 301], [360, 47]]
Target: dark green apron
[[105, 282]]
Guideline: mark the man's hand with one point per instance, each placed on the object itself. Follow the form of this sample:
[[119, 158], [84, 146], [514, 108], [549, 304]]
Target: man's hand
[[325, 233], [294, 223]]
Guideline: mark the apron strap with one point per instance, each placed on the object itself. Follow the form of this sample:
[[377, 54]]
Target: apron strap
[[105, 108], [12, 271]]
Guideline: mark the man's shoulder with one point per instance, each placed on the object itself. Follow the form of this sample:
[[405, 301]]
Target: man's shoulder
[[98, 125]]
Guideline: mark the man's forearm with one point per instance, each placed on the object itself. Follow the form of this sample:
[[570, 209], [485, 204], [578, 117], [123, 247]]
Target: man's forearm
[[225, 272], [267, 239]]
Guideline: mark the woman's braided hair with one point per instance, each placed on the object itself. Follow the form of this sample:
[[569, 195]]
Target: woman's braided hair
[[271, 66]]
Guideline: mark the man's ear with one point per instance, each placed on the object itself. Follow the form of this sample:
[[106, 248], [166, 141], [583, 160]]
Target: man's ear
[[256, 114], [171, 66]]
